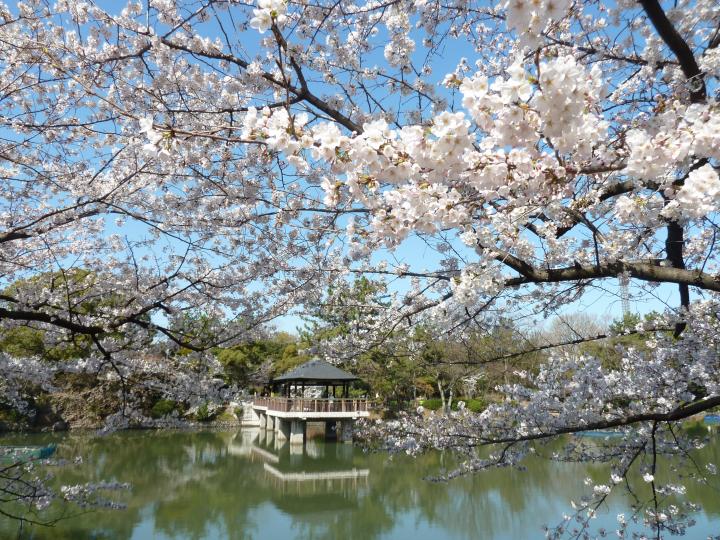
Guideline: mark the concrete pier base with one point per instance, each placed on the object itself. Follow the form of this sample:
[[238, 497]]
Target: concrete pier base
[[297, 420], [345, 430], [297, 432], [249, 416], [282, 428]]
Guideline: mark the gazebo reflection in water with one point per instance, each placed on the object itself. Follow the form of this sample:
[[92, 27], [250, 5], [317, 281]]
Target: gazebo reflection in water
[[287, 413], [323, 475]]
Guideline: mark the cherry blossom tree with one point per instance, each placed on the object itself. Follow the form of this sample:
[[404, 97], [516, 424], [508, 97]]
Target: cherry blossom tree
[[216, 156]]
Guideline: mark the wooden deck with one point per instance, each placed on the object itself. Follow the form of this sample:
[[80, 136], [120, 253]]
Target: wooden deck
[[313, 407]]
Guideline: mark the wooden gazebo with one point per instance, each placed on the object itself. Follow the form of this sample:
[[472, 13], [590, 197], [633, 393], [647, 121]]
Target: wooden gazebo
[[287, 413], [314, 373]]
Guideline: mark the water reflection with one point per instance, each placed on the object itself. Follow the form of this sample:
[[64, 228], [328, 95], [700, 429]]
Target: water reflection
[[312, 473], [246, 484]]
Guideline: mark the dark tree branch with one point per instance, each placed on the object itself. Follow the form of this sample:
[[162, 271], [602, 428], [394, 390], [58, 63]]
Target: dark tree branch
[[643, 270], [679, 413], [39, 316], [678, 46]]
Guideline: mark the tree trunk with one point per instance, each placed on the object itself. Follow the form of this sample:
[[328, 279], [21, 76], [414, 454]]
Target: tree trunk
[[442, 394]]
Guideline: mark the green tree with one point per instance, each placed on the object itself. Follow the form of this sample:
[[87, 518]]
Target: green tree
[[253, 362], [78, 292], [623, 335], [388, 370]]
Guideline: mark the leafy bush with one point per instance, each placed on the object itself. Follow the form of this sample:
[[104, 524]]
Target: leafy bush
[[388, 414], [356, 393], [621, 402], [238, 412], [225, 416], [476, 405], [432, 404], [10, 415], [162, 407], [695, 428], [203, 413]]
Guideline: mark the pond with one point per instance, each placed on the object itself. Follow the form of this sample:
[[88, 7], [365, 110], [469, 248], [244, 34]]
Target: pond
[[243, 484]]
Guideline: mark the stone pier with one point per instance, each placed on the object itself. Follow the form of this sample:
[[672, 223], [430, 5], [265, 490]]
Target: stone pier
[[286, 418], [345, 430], [282, 428], [297, 431]]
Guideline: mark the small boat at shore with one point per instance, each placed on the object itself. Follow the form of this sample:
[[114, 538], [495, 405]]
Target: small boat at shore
[[10, 455], [712, 419]]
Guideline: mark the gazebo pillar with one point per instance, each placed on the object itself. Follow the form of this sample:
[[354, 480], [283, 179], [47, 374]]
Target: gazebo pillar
[[345, 430], [282, 431], [297, 431]]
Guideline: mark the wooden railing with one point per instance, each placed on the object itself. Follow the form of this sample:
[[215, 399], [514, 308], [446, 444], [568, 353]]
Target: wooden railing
[[308, 405]]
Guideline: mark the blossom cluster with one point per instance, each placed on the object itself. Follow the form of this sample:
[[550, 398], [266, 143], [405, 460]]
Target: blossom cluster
[[268, 12]]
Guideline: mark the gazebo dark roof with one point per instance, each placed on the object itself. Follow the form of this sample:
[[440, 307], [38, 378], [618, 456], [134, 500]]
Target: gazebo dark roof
[[316, 371]]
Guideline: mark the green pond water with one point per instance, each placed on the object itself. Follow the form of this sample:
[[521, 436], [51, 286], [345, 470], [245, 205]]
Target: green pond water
[[244, 484]]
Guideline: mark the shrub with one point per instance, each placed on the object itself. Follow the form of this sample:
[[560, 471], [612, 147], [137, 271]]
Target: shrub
[[162, 407], [432, 404], [203, 413], [388, 414], [357, 393], [476, 405], [695, 428], [621, 402], [238, 412], [10, 415], [225, 416]]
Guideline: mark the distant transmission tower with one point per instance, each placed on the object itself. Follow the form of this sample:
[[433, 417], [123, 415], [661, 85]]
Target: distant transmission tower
[[625, 293]]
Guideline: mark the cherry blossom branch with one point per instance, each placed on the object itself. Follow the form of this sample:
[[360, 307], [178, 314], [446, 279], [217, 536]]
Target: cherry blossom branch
[[678, 46]]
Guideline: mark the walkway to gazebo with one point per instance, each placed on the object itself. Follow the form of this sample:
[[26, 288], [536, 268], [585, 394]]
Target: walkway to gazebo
[[288, 413]]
